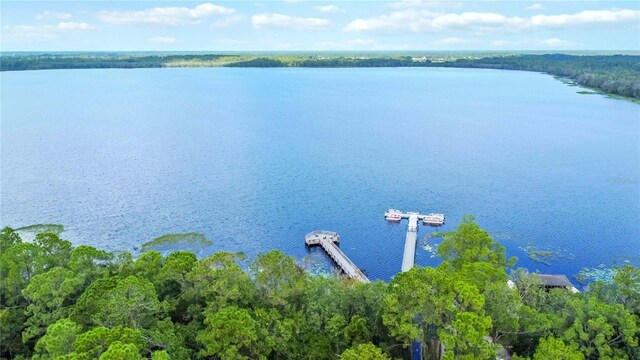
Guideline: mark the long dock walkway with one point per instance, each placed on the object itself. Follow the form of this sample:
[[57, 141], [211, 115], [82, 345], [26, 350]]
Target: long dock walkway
[[411, 239], [328, 240]]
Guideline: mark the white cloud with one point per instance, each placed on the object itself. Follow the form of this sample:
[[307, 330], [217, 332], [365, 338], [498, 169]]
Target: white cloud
[[536, 7], [346, 45], [426, 20], [502, 43], [227, 21], [70, 25], [258, 44], [45, 31], [54, 15], [535, 44], [285, 21], [587, 17], [475, 20], [556, 43], [395, 20], [406, 4], [165, 16], [451, 41], [163, 40], [329, 9], [423, 4]]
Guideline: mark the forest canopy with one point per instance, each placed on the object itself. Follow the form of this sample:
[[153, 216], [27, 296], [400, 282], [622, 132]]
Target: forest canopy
[[64, 302]]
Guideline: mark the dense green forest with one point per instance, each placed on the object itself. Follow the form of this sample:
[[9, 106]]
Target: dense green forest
[[65, 302], [612, 74]]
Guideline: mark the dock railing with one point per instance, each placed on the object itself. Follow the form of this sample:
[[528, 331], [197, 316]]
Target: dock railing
[[327, 240]]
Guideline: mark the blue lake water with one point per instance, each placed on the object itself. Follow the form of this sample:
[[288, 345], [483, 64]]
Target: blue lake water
[[256, 158]]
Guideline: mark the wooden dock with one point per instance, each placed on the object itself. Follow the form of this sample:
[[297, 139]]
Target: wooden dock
[[412, 231], [328, 240], [410, 243]]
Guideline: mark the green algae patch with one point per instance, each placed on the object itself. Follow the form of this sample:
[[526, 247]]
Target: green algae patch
[[431, 249], [547, 255], [41, 228], [317, 264], [183, 239], [619, 97], [429, 244], [29, 233], [584, 92], [599, 273], [541, 256]]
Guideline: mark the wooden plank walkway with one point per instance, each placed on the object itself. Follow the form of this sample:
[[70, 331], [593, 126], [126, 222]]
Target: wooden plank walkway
[[328, 240], [410, 243]]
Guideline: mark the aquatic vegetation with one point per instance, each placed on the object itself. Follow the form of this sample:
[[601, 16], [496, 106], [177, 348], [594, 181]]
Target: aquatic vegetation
[[598, 273], [584, 92], [177, 239], [565, 80], [28, 233], [619, 97], [317, 264], [627, 260], [431, 249], [40, 228], [541, 256], [546, 255]]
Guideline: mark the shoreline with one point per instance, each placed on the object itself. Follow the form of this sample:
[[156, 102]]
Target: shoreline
[[613, 75]]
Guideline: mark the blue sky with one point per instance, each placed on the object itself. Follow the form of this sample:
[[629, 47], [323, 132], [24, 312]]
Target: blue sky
[[319, 25]]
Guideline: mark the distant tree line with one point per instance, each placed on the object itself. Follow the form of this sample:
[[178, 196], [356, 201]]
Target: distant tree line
[[63, 302], [261, 62], [93, 61], [612, 74]]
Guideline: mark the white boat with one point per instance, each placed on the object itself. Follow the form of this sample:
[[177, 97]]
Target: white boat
[[433, 219], [393, 215]]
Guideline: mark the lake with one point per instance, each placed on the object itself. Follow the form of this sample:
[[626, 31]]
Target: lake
[[256, 158]]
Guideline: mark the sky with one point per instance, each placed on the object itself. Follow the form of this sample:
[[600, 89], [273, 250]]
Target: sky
[[295, 25]]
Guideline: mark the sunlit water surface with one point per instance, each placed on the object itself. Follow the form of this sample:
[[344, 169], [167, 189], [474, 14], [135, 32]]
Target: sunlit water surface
[[256, 158]]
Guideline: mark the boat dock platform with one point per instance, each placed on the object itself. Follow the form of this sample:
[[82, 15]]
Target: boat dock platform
[[411, 239], [328, 240]]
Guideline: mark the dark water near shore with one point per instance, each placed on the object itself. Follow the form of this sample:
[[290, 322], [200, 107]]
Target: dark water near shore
[[256, 158]]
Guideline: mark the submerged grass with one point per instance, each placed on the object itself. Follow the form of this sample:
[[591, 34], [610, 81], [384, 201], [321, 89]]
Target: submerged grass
[[546, 255], [594, 91], [612, 96], [40, 228], [177, 239], [541, 256], [29, 233], [599, 273]]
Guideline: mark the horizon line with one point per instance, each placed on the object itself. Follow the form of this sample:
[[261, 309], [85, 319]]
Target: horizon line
[[324, 51]]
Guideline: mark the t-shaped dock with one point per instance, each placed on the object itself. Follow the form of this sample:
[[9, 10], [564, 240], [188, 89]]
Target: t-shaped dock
[[328, 240], [411, 239]]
